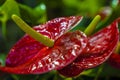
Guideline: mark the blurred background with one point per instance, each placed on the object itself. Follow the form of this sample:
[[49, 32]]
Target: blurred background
[[36, 12]]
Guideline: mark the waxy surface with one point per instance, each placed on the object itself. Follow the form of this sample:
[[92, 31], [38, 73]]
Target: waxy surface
[[114, 59], [31, 57], [26, 48], [71, 54], [100, 46], [66, 49]]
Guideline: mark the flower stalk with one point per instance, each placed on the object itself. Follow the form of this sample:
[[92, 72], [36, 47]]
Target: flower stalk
[[91, 27], [37, 36]]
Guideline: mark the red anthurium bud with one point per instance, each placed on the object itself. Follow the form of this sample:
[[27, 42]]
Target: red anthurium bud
[[27, 47], [100, 46]]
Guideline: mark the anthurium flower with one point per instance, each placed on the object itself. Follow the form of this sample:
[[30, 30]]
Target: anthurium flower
[[27, 47], [72, 52], [29, 56], [99, 48]]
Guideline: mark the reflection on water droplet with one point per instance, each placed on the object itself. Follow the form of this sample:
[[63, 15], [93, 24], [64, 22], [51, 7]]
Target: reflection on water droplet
[[33, 67], [40, 64], [73, 52], [62, 58], [51, 66], [56, 62], [90, 64]]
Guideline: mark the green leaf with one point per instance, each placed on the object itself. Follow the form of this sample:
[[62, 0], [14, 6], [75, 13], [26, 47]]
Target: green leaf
[[6, 10], [40, 12], [40, 9], [27, 13], [3, 19], [83, 24], [85, 7], [107, 70], [33, 15], [10, 7], [108, 20], [2, 59]]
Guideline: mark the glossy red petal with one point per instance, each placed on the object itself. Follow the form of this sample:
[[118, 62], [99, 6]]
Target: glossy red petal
[[27, 47], [100, 46], [114, 59], [66, 49]]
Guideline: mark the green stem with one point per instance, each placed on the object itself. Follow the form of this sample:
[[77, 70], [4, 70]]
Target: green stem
[[26, 28], [99, 71], [91, 27], [15, 77], [4, 29]]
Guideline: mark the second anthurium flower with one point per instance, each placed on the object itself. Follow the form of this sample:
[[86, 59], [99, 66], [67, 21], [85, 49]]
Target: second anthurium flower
[[99, 48], [69, 52]]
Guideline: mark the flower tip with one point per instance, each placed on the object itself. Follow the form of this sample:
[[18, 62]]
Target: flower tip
[[91, 27], [37, 36], [13, 16], [98, 17]]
